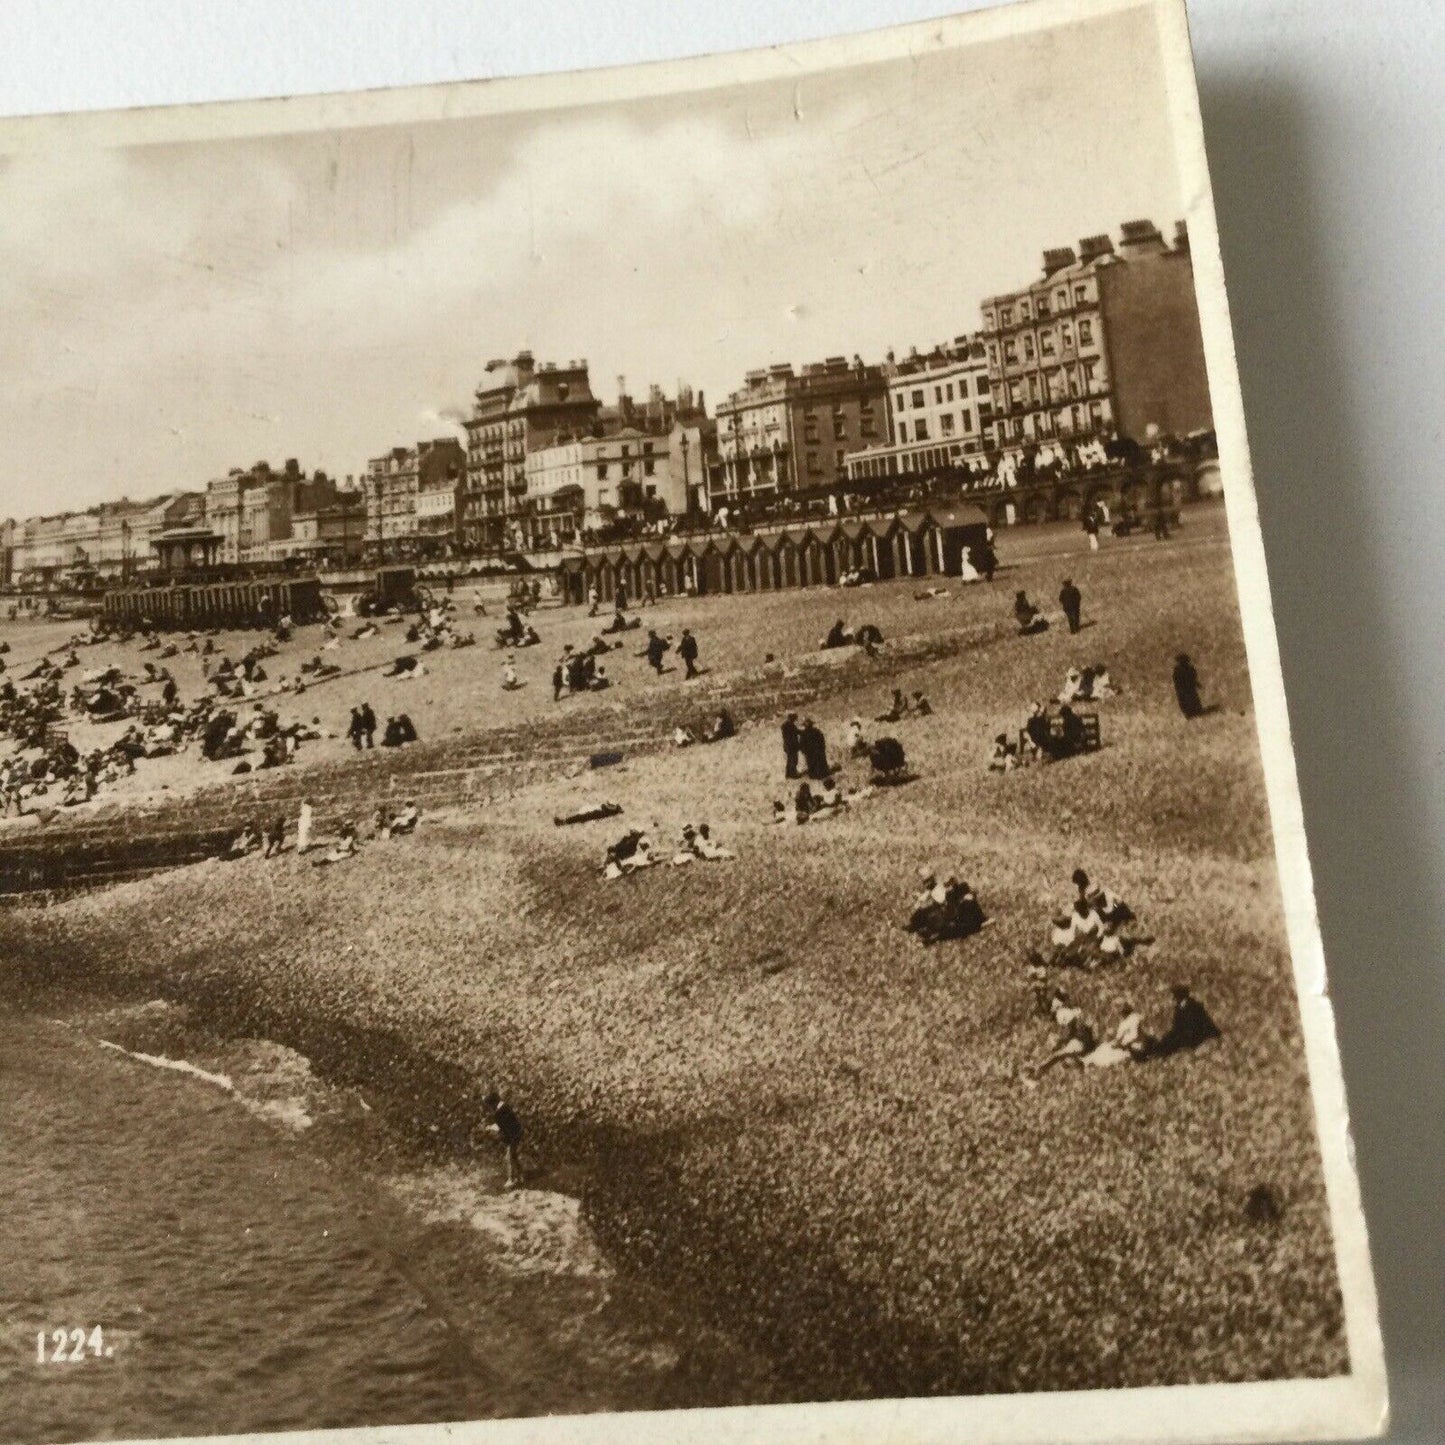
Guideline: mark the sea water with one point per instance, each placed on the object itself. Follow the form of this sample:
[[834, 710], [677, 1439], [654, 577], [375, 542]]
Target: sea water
[[258, 1258]]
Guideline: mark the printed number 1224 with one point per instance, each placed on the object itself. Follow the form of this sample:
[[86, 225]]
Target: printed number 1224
[[65, 1347]]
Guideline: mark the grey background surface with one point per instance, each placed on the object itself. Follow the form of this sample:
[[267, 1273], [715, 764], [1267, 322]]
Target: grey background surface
[[1325, 125]]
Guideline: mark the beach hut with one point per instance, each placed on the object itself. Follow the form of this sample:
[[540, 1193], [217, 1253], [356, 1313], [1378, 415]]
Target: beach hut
[[882, 542], [959, 531], [704, 565], [572, 580]]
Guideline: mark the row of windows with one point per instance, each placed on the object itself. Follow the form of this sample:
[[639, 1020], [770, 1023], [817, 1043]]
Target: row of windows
[[1080, 295], [1022, 347], [1040, 388], [946, 423], [943, 393], [1072, 419]]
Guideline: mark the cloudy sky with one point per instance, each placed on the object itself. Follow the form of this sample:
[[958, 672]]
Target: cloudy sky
[[172, 311]]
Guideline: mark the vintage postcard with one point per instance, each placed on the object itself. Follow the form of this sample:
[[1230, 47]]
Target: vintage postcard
[[646, 787]]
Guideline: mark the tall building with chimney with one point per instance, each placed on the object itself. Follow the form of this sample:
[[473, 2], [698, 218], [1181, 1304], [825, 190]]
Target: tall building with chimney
[[791, 431], [519, 408], [1104, 344]]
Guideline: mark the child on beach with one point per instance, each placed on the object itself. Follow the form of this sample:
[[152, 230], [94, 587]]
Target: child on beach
[[500, 1119]]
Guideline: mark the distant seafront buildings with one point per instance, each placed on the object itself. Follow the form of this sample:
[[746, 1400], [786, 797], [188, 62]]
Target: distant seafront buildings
[[1103, 346]]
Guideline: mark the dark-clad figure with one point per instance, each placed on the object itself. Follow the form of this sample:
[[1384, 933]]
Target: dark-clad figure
[[814, 747], [1071, 600], [501, 1120], [1186, 687], [1028, 617], [790, 745], [1190, 1026], [687, 651], [1074, 739], [656, 650]]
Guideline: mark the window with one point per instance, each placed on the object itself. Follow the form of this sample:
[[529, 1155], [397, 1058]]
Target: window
[[900, 401], [626, 450], [964, 421], [1066, 336], [651, 489], [814, 466], [647, 449], [1006, 316], [1042, 308], [1081, 294], [1023, 310], [945, 423], [649, 468], [1046, 343], [1028, 347], [903, 431], [1010, 353], [938, 396], [840, 426], [1086, 333], [838, 457], [601, 471], [918, 398], [948, 392], [920, 430]]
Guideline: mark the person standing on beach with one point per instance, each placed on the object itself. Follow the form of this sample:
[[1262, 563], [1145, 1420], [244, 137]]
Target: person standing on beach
[[791, 745], [687, 651], [1072, 601], [1186, 687], [501, 1120], [303, 829], [368, 724]]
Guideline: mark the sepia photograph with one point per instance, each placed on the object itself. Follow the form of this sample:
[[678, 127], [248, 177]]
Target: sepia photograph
[[644, 767]]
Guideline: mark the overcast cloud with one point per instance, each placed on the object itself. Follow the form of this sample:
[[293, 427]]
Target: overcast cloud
[[174, 311]]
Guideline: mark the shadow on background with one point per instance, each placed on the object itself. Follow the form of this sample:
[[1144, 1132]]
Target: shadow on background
[[1368, 829]]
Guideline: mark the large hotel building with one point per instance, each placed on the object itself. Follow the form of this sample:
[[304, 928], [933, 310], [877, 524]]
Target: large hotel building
[[1104, 343]]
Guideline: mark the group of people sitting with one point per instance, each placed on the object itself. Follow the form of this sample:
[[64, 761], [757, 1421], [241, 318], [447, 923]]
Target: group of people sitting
[[717, 730], [515, 633], [1087, 684], [901, 707], [1078, 1044], [580, 671], [816, 801], [868, 637], [946, 907], [1093, 932], [635, 850]]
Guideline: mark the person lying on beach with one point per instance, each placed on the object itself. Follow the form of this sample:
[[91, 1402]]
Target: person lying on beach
[[921, 705], [406, 665], [838, 636], [929, 593], [510, 680], [587, 813]]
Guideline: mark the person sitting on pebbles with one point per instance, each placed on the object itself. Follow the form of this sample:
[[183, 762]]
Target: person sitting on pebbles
[[1004, 756], [1028, 617], [510, 681], [629, 854], [1076, 1037]]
